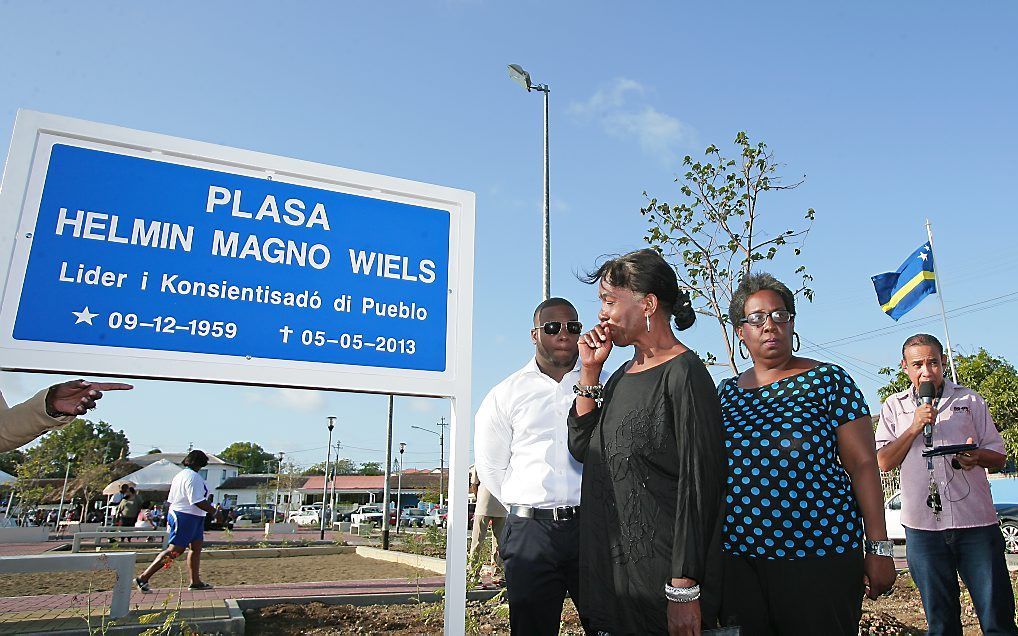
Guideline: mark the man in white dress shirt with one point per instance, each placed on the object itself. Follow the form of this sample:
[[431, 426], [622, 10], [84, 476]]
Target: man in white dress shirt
[[522, 456]]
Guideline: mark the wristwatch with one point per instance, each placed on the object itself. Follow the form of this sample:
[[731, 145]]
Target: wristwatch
[[879, 548]]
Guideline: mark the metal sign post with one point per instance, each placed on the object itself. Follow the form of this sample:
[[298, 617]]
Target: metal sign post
[[135, 254]]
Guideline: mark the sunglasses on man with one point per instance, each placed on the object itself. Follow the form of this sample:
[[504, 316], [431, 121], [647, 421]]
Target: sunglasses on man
[[552, 328]]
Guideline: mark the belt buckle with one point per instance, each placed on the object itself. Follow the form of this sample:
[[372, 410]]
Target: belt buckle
[[562, 513]]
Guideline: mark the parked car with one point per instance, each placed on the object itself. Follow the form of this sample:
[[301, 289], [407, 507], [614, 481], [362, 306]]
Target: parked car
[[440, 517], [306, 516], [1008, 515], [416, 518], [256, 514], [892, 517], [367, 515]]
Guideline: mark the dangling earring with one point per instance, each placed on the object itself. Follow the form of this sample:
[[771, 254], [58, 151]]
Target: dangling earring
[[648, 324], [795, 342], [743, 354]]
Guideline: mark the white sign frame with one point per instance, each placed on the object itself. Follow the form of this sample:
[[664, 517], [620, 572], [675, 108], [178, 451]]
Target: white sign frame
[[20, 193]]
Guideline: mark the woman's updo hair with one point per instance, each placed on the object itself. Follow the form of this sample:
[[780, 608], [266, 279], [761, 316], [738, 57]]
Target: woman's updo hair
[[646, 272], [753, 283]]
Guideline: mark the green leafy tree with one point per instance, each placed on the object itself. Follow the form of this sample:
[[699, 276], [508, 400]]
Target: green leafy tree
[[714, 235], [10, 461], [990, 376], [87, 441], [371, 468], [251, 457], [29, 492]]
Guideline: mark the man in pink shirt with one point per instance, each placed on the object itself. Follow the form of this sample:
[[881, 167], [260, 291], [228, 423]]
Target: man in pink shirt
[[951, 527]]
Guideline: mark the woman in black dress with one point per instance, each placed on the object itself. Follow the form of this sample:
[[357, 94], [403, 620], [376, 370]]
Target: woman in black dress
[[651, 445], [803, 486]]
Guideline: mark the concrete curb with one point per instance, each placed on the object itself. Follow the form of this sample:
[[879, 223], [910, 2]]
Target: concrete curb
[[413, 560]]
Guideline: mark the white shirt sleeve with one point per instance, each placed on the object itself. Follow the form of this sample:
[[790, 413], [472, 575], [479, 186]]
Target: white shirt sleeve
[[493, 436]]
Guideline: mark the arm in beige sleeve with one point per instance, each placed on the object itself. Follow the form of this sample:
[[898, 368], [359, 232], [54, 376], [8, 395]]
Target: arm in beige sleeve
[[22, 423]]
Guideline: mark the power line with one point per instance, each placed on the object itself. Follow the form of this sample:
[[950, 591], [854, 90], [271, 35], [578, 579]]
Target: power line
[[956, 311]]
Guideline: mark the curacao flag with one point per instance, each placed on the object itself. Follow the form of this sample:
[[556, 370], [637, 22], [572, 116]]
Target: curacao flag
[[898, 292]]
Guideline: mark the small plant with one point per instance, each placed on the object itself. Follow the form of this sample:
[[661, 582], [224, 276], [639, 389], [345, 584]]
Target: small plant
[[172, 621]]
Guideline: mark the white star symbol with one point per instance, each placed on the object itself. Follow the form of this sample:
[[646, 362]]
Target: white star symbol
[[84, 316], [922, 256]]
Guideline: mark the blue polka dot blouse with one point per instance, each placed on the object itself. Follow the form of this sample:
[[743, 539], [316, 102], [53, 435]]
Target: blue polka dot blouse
[[788, 495]]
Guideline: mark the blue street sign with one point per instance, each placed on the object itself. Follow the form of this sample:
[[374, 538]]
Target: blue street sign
[[150, 254]]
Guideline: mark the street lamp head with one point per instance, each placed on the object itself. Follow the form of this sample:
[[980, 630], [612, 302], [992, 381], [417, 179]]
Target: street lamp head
[[402, 447], [521, 77], [70, 457], [332, 422]]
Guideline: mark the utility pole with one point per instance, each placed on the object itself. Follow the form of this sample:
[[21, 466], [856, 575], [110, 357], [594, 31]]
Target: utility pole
[[441, 466], [332, 498], [386, 488]]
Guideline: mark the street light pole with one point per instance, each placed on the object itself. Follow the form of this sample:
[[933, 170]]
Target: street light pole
[[399, 485], [522, 77], [325, 483], [279, 475], [63, 491]]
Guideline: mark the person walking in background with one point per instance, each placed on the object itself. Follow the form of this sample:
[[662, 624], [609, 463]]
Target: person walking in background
[[653, 465], [521, 449], [487, 511], [189, 504], [951, 526], [802, 471]]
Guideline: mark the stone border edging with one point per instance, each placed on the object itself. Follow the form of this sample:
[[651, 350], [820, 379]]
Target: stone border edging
[[418, 561]]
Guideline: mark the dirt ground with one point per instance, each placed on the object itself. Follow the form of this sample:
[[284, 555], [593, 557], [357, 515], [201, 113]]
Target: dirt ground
[[899, 614], [220, 572], [393, 620]]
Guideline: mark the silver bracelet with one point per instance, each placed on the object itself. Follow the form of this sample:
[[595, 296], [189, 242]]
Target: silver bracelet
[[594, 392], [682, 594]]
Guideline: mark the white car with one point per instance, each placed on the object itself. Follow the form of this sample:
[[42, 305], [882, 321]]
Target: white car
[[307, 516], [892, 517], [366, 515]]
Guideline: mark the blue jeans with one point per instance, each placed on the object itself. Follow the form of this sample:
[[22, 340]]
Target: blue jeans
[[936, 558]]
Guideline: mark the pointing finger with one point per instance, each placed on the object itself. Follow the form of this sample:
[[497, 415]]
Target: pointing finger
[[111, 386]]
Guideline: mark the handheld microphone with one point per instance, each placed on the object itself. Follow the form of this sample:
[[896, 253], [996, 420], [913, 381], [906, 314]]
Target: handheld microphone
[[926, 393]]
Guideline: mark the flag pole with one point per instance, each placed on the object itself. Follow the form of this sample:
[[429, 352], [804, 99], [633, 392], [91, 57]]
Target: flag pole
[[943, 312]]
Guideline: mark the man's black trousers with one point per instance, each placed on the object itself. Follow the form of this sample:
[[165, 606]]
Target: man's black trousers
[[541, 565]]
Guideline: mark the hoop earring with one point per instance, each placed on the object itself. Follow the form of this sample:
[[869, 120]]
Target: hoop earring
[[743, 354], [795, 342], [648, 324]]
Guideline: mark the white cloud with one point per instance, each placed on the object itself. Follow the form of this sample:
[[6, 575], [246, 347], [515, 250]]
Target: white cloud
[[295, 399], [420, 405], [620, 110], [604, 100]]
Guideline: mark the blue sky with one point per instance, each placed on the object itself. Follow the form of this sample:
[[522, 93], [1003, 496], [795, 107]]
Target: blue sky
[[892, 113]]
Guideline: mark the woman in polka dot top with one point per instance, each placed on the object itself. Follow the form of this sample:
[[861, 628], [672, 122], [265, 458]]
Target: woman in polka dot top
[[803, 486]]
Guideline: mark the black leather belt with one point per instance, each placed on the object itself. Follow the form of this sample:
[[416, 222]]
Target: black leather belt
[[562, 513]]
